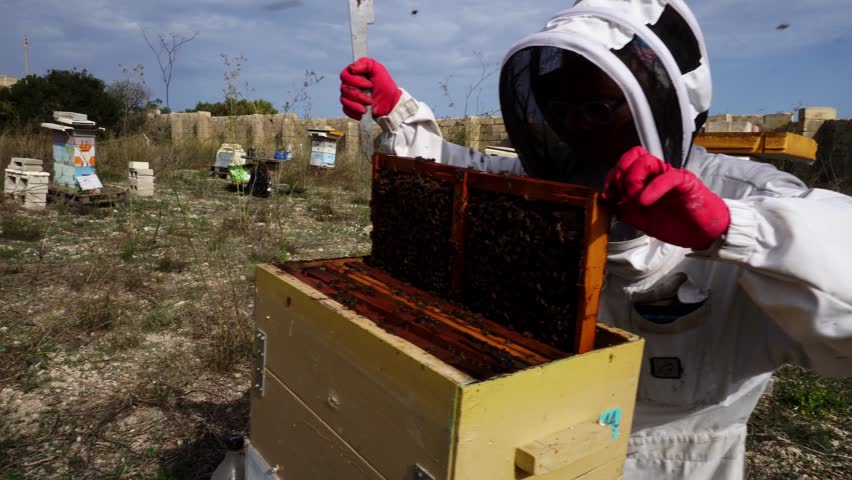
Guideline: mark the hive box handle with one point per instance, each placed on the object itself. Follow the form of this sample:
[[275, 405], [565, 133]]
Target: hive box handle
[[563, 448]]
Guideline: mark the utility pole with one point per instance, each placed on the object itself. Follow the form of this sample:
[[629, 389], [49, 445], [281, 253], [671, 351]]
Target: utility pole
[[26, 56]]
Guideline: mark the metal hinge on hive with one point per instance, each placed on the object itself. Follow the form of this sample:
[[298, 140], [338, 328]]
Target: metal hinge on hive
[[259, 360]]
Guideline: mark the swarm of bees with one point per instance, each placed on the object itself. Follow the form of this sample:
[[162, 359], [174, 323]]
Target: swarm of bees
[[522, 265], [412, 222], [522, 258]]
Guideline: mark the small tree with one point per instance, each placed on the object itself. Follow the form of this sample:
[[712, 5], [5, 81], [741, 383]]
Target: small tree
[[239, 107], [33, 99], [166, 52], [301, 96], [132, 93], [474, 90], [233, 69]]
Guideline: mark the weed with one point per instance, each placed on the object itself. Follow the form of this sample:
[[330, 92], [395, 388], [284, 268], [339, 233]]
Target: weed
[[813, 396], [121, 341], [169, 264], [167, 472], [323, 211], [160, 317], [360, 199], [276, 252], [150, 452], [323, 207], [97, 313], [13, 227], [111, 176], [8, 252], [127, 249]]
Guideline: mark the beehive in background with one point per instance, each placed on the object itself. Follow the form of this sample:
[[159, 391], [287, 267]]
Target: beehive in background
[[74, 156]]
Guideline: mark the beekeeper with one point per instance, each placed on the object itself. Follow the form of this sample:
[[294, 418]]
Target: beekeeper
[[727, 267]]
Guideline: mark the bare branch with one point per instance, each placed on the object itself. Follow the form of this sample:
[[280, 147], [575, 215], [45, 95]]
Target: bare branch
[[168, 47], [301, 95], [487, 70], [473, 91]]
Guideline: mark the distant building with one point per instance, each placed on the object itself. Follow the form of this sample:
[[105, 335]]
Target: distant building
[[7, 81]]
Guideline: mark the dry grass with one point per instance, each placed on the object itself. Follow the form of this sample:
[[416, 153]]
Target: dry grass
[[125, 333], [113, 154], [803, 429]]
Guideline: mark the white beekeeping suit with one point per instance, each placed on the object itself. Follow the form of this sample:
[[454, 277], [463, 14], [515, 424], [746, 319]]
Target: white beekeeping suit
[[775, 289]]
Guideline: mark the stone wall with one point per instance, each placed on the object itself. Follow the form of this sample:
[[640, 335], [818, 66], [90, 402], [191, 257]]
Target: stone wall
[[268, 132], [807, 123]]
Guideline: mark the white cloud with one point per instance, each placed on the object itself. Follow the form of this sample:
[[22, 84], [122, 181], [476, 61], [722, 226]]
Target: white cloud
[[420, 50]]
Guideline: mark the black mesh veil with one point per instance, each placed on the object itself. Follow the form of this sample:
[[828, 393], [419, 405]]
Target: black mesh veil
[[661, 94], [533, 76]]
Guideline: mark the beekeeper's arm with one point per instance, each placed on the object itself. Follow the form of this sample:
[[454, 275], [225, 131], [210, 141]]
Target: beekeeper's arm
[[409, 128], [792, 242]]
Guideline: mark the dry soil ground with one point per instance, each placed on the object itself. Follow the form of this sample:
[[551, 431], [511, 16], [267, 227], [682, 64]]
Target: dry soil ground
[[124, 334]]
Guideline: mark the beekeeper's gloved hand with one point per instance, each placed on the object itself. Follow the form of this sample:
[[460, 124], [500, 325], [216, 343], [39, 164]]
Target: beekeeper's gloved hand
[[670, 204], [367, 74]]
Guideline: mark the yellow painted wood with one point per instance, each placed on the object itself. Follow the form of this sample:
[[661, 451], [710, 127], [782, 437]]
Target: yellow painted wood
[[338, 385], [497, 416], [766, 145], [288, 434], [613, 470], [390, 400], [791, 145], [563, 448]]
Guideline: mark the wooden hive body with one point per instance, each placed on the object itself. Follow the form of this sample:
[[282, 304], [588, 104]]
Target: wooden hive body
[[366, 376]]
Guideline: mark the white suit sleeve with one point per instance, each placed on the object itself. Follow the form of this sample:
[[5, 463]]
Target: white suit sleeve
[[410, 130], [794, 247]]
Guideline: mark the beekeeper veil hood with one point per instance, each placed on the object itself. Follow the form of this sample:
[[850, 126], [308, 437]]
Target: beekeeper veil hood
[[651, 50]]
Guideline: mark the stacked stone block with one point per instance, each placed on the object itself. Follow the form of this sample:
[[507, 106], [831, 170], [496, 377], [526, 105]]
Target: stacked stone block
[[26, 182], [727, 123], [812, 118], [141, 179]]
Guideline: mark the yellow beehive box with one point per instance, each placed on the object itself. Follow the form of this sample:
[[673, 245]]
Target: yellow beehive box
[[763, 145], [338, 397]]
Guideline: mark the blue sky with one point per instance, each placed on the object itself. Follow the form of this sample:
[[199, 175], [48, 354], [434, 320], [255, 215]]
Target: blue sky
[[756, 68]]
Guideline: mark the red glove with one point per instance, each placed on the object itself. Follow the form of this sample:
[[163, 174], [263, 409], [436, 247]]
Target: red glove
[[367, 74], [667, 203]]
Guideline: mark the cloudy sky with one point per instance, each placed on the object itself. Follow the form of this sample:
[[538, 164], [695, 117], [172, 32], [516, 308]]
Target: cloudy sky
[[757, 68]]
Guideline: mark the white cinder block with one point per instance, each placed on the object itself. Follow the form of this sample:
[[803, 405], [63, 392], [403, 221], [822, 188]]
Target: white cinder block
[[722, 117], [142, 182], [25, 161], [742, 127], [818, 113], [812, 125], [717, 127], [35, 206], [138, 165]]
